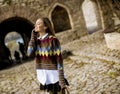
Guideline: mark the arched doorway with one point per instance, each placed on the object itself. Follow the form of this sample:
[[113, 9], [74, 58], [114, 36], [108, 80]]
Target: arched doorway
[[60, 18], [89, 12]]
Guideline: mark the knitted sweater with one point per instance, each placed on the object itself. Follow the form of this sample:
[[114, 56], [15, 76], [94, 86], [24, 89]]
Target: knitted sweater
[[48, 54]]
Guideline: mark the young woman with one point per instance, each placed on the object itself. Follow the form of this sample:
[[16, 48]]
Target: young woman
[[49, 62]]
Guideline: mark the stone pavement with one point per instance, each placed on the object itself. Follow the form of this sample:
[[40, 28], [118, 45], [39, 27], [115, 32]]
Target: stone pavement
[[92, 69]]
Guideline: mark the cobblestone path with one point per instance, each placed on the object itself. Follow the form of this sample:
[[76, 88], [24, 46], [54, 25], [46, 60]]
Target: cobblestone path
[[92, 69]]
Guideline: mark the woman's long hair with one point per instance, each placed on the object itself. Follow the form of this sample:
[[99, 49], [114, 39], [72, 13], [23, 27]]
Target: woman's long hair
[[48, 24]]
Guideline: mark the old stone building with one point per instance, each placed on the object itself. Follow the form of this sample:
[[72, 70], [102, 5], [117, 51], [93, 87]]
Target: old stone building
[[67, 16], [89, 31]]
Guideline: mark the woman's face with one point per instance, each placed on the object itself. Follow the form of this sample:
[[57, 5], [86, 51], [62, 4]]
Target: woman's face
[[39, 26]]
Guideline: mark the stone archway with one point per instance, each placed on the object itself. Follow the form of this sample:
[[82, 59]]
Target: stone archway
[[18, 24], [16, 14], [17, 18]]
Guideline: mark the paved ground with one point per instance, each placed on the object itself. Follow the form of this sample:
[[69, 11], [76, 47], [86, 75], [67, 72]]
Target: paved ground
[[91, 69]]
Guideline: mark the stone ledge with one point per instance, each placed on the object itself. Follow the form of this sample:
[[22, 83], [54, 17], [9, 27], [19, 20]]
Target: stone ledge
[[113, 40]]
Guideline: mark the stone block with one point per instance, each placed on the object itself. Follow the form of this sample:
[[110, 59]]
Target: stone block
[[112, 40]]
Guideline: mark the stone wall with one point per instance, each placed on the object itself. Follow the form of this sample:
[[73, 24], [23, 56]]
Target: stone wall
[[33, 9]]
